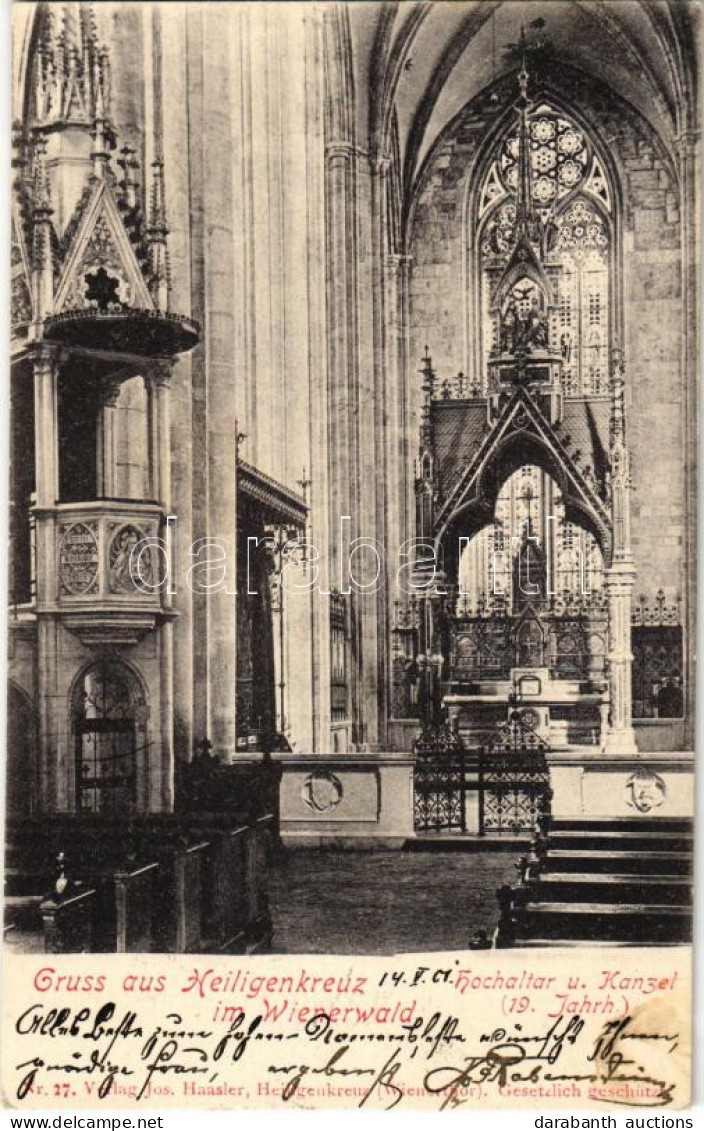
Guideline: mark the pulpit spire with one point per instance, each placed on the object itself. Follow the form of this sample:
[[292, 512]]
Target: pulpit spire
[[71, 73]]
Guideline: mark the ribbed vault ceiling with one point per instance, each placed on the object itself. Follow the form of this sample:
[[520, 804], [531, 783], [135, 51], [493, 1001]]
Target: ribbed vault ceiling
[[420, 63]]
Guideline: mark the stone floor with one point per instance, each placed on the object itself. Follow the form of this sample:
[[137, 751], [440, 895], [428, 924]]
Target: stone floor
[[332, 902]]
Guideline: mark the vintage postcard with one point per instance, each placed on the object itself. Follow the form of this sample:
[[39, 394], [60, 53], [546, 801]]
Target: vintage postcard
[[352, 555]]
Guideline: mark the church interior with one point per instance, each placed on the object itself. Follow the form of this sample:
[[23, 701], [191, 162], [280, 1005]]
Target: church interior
[[352, 581]]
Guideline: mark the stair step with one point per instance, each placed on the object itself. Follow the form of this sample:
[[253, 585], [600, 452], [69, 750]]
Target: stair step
[[626, 840], [23, 900], [524, 944], [615, 824], [622, 878], [633, 923], [612, 889], [618, 862], [607, 909]]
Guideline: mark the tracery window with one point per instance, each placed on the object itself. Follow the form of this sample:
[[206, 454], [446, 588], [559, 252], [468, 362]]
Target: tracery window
[[571, 195]]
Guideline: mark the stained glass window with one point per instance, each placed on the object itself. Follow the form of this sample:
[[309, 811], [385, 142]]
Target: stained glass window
[[487, 564], [571, 195]]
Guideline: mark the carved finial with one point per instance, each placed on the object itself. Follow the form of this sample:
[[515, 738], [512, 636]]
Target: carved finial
[[43, 277], [523, 73], [428, 377], [618, 386], [40, 180], [19, 152], [156, 238], [128, 164], [304, 483], [526, 220], [105, 78], [71, 71]]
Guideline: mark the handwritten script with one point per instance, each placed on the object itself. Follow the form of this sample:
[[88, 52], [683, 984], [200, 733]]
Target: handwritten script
[[266, 1032]]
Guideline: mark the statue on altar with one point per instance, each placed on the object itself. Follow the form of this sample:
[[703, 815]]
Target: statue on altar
[[524, 324]]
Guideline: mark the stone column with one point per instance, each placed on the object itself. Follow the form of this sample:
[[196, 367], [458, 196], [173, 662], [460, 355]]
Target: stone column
[[107, 455], [407, 379], [319, 517], [52, 794], [158, 394], [221, 375], [177, 81], [342, 440], [688, 155], [619, 577], [158, 380], [46, 426]]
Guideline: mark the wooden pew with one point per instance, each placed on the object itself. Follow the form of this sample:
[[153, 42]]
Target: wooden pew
[[69, 922], [155, 891], [189, 880], [224, 891], [259, 925], [136, 908]]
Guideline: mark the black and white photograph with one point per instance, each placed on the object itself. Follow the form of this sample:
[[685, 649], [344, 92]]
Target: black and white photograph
[[352, 478]]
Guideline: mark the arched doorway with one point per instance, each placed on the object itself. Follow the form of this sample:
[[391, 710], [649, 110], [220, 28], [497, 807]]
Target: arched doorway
[[21, 741], [109, 719]]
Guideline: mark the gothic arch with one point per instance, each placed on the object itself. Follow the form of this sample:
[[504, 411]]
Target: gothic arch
[[477, 503], [20, 769], [123, 669]]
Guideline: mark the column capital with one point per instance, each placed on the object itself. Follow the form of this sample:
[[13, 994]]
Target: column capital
[[379, 163], [393, 263], [621, 572], [45, 355], [111, 393], [686, 142], [343, 151], [405, 264], [159, 373]]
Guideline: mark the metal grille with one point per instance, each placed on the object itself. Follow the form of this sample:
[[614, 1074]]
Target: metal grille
[[339, 636], [106, 761], [514, 780], [439, 782], [657, 672], [105, 733]]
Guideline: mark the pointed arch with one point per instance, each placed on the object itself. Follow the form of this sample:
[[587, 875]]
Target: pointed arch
[[520, 436], [20, 770]]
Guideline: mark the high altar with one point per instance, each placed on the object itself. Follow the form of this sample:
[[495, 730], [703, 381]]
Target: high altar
[[512, 656]]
